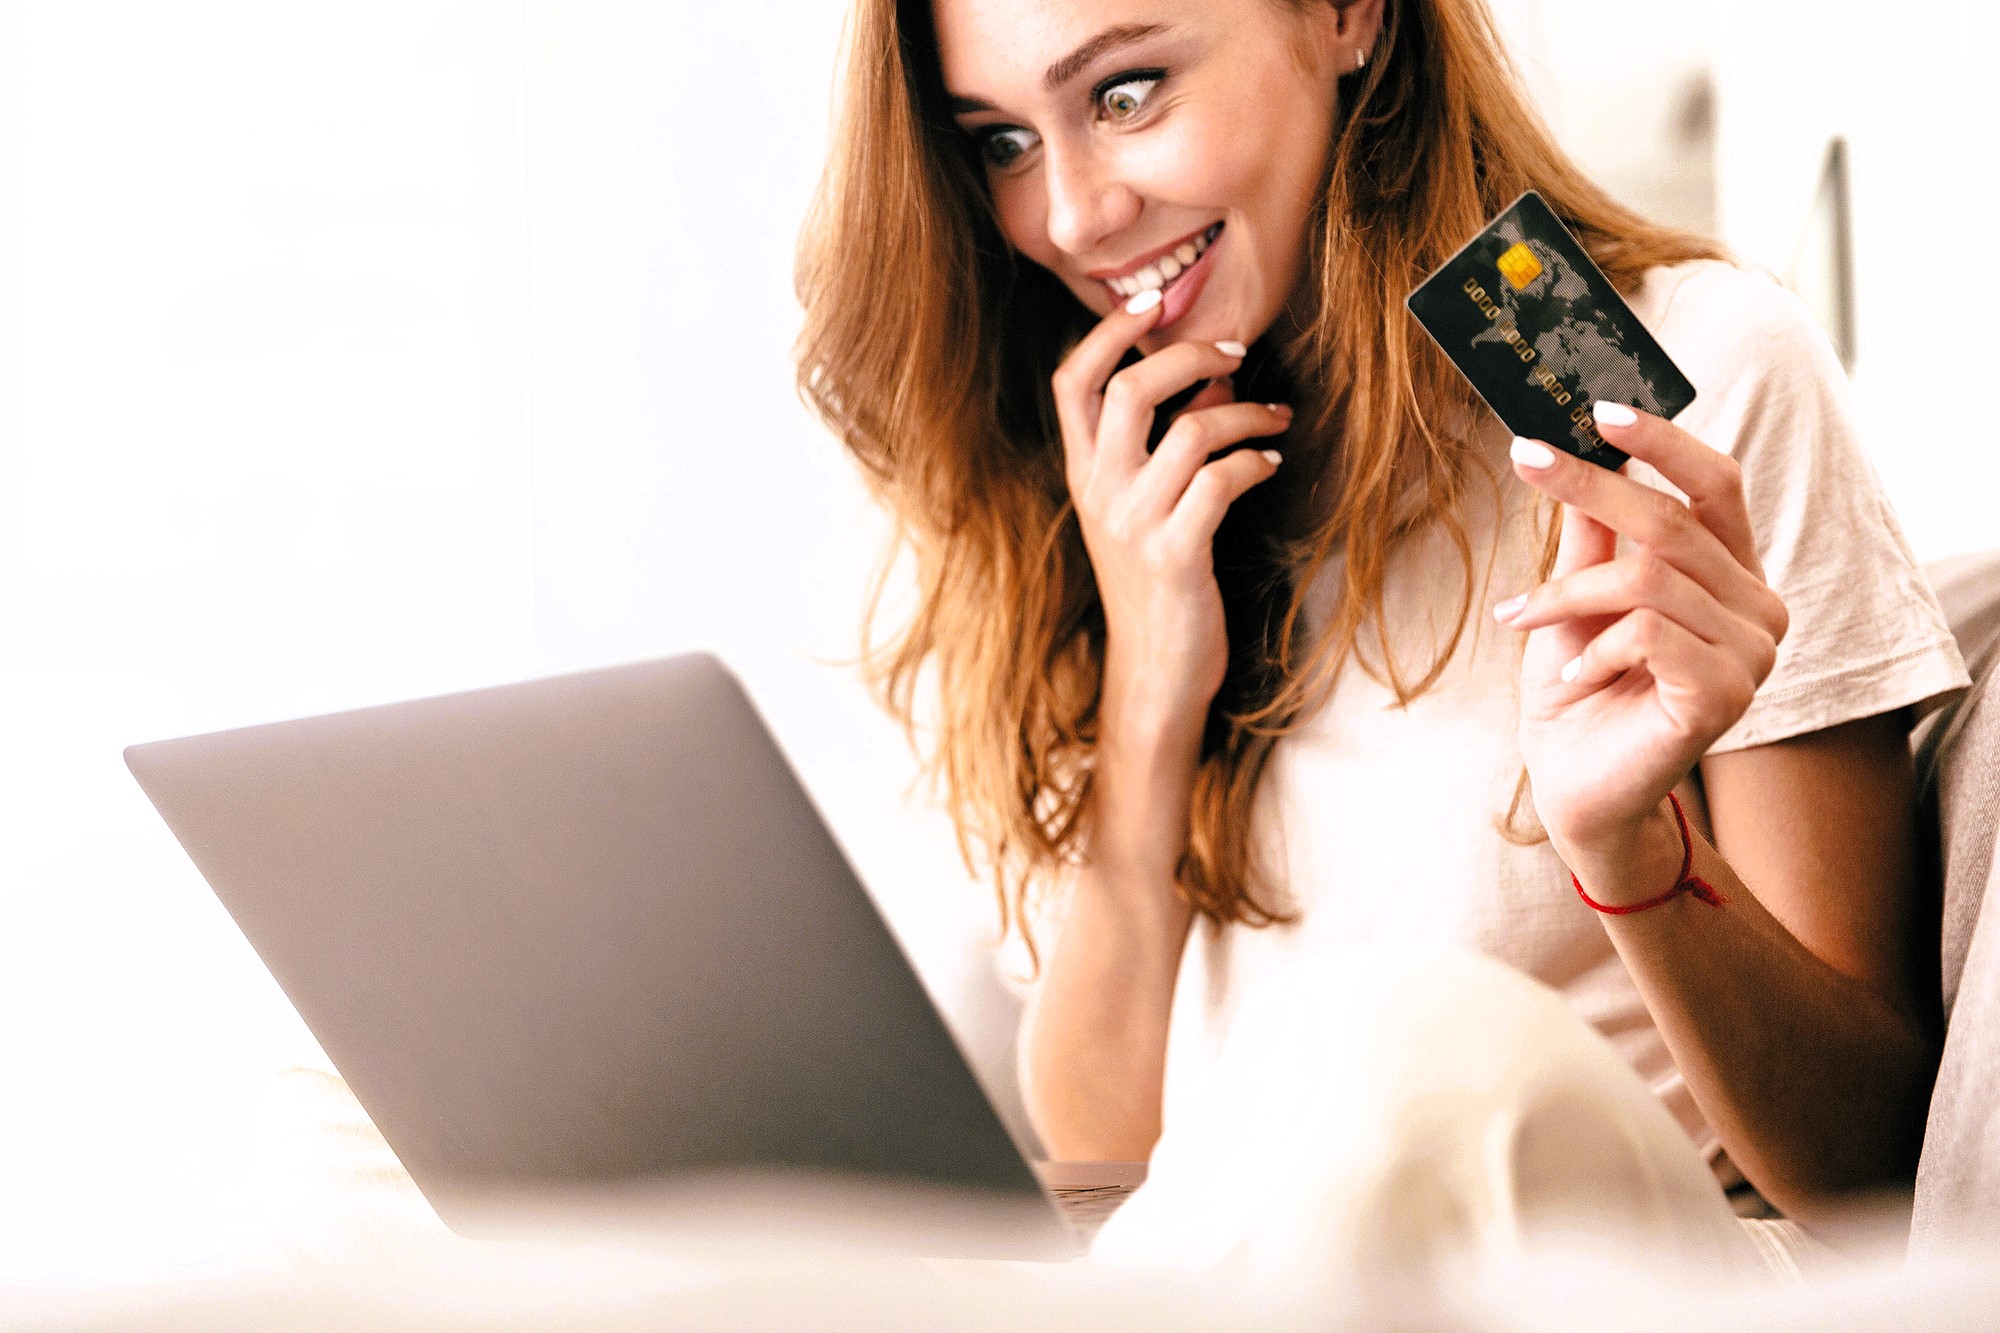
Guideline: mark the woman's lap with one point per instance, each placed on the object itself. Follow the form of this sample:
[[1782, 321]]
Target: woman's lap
[[1407, 1114]]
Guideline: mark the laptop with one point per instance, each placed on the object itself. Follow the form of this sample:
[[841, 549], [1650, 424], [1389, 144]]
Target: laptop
[[589, 933]]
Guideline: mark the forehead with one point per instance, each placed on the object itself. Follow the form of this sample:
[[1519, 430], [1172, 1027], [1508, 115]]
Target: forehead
[[1004, 47]]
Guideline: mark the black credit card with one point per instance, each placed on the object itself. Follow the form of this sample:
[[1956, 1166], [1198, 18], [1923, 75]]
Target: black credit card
[[1542, 334]]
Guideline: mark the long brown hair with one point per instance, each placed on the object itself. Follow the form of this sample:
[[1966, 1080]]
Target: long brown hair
[[928, 348]]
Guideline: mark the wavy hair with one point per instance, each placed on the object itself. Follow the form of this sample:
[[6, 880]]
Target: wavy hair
[[928, 347]]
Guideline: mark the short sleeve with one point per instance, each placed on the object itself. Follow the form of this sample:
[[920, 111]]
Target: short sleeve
[[1867, 634]]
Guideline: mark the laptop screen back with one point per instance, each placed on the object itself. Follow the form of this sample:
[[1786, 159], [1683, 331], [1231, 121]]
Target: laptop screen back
[[582, 929]]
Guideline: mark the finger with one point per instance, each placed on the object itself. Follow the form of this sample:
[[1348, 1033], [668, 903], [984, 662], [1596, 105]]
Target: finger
[[1078, 383], [1584, 542], [1215, 487], [1646, 516], [1702, 687], [1190, 442], [1638, 578], [1133, 396], [1711, 479]]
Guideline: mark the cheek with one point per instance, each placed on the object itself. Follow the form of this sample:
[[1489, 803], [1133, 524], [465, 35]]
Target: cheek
[[1022, 216], [1269, 140], [1197, 164]]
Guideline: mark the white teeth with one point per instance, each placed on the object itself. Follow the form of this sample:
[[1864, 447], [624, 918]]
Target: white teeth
[[1164, 269]]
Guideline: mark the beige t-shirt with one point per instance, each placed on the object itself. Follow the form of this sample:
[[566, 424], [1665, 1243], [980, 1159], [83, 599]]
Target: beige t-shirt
[[1380, 822]]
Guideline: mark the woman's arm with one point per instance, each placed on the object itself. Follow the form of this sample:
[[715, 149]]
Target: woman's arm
[[1093, 1046], [1792, 1008], [1801, 1013], [1094, 1038]]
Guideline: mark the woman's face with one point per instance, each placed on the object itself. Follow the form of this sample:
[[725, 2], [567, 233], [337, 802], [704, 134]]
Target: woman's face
[[1119, 134]]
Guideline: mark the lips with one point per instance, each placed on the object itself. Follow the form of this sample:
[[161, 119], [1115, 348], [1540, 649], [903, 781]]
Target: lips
[[1184, 290], [1162, 267]]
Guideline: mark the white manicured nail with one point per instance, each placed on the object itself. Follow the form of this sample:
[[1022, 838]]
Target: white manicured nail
[[1531, 453], [1510, 608], [1144, 301], [1233, 348], [1273, 457], [1613, 414], [1574, 668]]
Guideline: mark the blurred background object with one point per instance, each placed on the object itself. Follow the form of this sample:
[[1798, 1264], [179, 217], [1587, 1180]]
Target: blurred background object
[[355, 353], [1822, 267]]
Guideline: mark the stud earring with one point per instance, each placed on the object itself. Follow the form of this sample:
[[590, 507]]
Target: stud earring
[[1360, 57]]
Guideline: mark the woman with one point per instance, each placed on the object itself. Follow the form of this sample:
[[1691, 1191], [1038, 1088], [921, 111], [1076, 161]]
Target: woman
[[1237, 704]]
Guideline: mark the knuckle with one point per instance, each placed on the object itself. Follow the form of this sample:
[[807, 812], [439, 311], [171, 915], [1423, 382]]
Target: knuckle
[[1117, 528], [1189, 434], [1781, 618], [1159, 555], [1728, 472], [1649, 574], [1202, 490], [1767, 658], [1121, 393], [1649, 629], [1070, 379], [1669, 521], [1740, 699]]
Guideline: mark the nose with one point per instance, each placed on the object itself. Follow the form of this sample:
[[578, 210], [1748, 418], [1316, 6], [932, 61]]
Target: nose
[[1087, 198]]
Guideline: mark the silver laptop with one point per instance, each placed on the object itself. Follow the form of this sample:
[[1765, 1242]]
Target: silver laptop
[[590, 930]]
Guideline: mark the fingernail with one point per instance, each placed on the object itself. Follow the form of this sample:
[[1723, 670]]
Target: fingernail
[[1574, 668], [1613, 414], [1273, 457], [1510, 608], [1531, 453], [1233, 348], [1281, 409], [1144, 301]]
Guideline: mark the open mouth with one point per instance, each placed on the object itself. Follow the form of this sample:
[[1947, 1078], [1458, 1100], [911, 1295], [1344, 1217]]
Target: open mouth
[[1165, 271]]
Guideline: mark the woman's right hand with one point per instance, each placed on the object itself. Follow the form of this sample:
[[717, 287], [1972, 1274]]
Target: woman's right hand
[[1149, 522], [1094, 1045]]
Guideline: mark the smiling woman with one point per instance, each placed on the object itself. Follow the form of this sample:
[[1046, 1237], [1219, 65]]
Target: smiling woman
[[1140, 632], [1069, 161]]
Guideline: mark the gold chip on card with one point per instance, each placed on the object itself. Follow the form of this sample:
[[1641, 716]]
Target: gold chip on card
[[1519, 265]]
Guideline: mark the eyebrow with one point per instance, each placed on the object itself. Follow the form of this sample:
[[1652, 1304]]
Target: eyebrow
[[1073, 64]]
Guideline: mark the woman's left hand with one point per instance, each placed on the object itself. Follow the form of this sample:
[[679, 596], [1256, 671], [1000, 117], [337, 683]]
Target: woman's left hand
[[1636, 663]]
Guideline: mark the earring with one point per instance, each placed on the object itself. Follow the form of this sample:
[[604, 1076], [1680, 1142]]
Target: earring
[[1360, 57]]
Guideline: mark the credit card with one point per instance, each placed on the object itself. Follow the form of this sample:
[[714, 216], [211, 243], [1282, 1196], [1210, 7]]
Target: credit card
[[1542, 334]]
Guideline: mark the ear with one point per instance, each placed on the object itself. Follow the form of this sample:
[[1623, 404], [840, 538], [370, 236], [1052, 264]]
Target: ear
[[1338, 31], [1356, 24]]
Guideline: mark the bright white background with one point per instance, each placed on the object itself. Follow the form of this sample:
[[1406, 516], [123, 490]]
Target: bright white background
[[355, 352]]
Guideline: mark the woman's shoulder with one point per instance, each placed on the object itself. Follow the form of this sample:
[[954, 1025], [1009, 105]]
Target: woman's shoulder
[[1724, 319]]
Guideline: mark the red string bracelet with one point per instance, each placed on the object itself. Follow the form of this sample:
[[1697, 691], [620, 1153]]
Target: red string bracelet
[[1685, 882]]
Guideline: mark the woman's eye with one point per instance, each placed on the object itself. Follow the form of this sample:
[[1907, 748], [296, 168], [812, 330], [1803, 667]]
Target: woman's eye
[[989, 146], [1115, 96], [1114, 99]]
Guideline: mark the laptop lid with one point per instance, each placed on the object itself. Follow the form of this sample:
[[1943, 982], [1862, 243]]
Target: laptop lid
[[582, 930]]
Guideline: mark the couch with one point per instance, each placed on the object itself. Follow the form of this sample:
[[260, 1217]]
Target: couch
[[1957, 753]]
